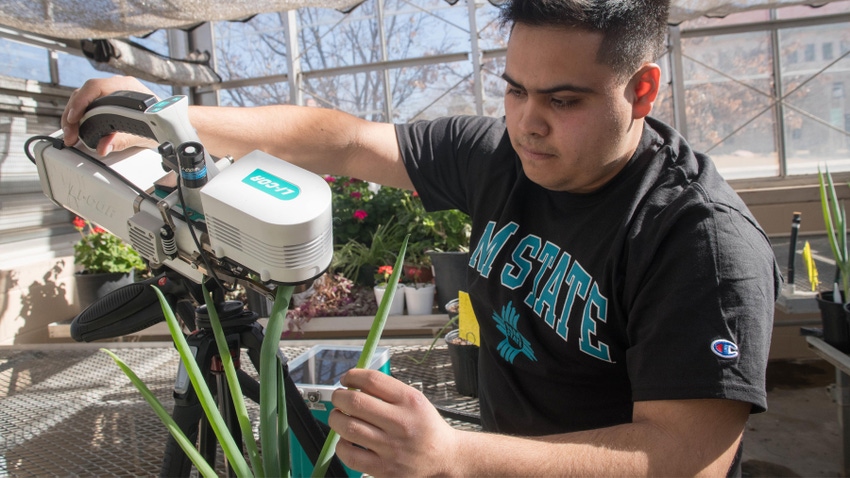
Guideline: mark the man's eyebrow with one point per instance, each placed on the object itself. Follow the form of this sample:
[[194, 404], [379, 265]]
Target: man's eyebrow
[[554, 89]]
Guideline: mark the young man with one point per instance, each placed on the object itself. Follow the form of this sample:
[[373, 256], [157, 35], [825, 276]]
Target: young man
[[624, 292]]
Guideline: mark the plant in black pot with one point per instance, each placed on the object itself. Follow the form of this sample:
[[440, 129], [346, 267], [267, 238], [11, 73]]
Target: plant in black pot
[[449, 232], [833, 306], [106, 263]]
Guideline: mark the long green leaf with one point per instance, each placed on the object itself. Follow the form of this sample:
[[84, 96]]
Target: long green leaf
[[188, 447], [228, 444], [835, 220], [375, 332], [233, 386], [269, 365]]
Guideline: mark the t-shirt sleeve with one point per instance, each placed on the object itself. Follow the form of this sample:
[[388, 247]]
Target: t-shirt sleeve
[[702, 314], [444, 156]]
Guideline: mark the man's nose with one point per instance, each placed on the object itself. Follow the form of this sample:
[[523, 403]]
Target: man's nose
[[533, 120]]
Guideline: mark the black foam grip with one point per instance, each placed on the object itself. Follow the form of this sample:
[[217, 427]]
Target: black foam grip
[[121, 312], [98, 126]]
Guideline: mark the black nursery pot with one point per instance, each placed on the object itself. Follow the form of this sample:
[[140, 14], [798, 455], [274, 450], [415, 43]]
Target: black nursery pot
[[464, 365], [835, 317]]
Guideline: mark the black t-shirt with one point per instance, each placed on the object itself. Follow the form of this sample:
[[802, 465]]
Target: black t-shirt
[[659, 285]]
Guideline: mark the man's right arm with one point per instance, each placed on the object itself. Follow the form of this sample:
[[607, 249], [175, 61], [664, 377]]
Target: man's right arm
[[321, 140]]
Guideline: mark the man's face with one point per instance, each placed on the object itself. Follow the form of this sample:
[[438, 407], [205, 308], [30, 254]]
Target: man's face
[[569, 118]]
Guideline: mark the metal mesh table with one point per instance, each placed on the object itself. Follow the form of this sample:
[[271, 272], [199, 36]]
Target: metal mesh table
[[69, 410]]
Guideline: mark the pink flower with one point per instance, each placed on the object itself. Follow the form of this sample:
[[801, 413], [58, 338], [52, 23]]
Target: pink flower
[[356, 194], [330, 179], [360, 214]]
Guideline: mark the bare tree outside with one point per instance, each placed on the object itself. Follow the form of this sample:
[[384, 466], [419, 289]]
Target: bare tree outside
[[329, 39]]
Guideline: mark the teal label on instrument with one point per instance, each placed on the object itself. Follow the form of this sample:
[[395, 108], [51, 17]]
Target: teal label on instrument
[[272, 185]]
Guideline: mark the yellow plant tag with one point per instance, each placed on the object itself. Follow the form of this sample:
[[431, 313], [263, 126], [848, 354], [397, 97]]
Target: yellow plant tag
[[810, 266], [468, 326]]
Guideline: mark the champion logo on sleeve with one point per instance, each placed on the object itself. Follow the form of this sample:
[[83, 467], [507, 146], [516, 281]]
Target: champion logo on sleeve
[[724, 348]]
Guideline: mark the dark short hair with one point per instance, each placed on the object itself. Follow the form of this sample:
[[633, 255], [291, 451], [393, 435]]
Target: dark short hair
[[633, 30]]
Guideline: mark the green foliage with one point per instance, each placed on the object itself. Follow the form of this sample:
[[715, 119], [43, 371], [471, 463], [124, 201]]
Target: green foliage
[[391, 213], [274, 429], [99, 251], [835, 219]]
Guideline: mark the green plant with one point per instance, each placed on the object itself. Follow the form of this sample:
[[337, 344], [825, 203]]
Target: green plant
[[274, 429], [99, 251], [354, 258], [835, 219]]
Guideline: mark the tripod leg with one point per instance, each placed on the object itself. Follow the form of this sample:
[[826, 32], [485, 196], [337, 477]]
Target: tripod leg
[[175, 462]]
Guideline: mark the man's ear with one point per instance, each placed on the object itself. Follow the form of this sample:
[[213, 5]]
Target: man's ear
[[644, 89]]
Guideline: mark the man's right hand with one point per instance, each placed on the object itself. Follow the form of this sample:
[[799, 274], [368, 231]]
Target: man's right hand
[[80, 100]]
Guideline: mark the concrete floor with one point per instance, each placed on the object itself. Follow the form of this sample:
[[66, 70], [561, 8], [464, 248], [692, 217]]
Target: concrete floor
[[799, 434]]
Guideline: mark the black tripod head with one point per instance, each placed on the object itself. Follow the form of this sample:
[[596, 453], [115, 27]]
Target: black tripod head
[[136, 307]]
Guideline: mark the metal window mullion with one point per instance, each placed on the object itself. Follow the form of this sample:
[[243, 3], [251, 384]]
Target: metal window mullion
[[293, 58], [382, 35], [475, 57], [779, 108], [53, 65], [680, 120], [178, 47], [202, 38]]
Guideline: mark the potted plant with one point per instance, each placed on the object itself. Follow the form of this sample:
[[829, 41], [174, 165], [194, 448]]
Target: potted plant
[[382, 278], [359, 260], [418, 281], [450, 231], [832, 304], [104, 261]]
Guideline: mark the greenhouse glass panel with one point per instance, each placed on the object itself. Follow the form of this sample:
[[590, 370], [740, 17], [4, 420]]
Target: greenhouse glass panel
[[432, 91], [493, 86], [663, 107], [329, 39], [259, 95], [815, 88], [251, 49], [75, 70], [729, 102], [416, 28], [491, 35], [24, 61], [360, 94]]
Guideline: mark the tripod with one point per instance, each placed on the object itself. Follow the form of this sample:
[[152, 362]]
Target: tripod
[[135, 307]]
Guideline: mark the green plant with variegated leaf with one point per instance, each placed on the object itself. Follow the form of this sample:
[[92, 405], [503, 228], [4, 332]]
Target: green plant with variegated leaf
[[835, 219], [274, 429]]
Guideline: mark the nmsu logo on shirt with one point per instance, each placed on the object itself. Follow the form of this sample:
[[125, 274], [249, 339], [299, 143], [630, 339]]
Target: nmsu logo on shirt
[[724, 348]]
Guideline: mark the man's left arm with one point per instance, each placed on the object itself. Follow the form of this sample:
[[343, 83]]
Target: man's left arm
[[399, 433]]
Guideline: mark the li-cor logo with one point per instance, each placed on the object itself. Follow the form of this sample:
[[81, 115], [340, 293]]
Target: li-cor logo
[[724, 348], [272, 185]]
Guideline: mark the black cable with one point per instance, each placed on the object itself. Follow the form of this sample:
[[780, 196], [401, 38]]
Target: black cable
[[59, 144], [190, 223]]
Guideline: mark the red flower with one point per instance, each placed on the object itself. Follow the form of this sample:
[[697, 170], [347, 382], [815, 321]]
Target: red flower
[[356, 194], [360, 214], [385, 270], [79, 223], [98, 230], [415, 194]]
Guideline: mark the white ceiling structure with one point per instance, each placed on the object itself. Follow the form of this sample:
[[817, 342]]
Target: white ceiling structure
[[81, 19]]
